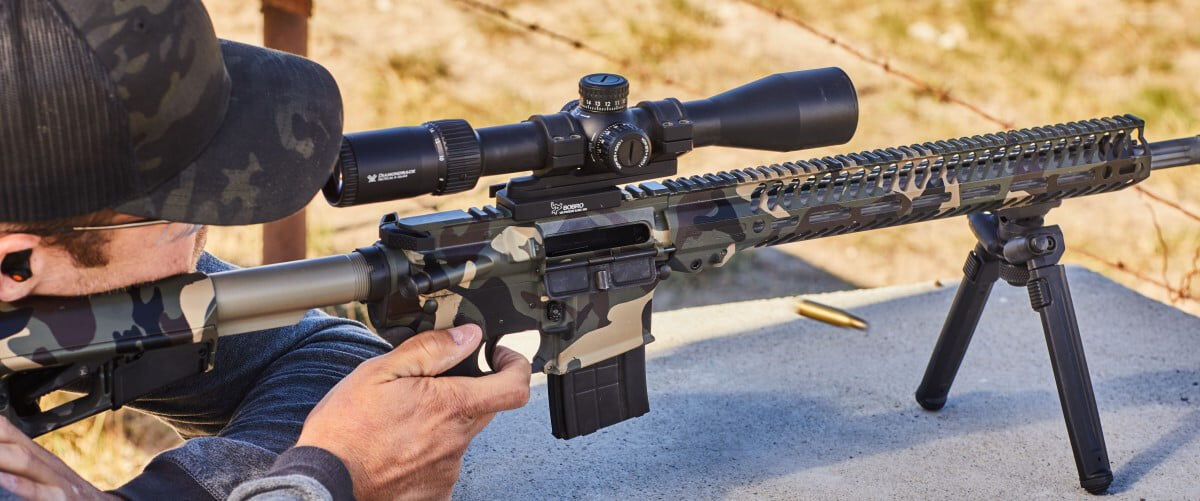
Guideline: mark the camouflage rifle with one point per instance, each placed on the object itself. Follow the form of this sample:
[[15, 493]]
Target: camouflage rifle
[[569, 253]]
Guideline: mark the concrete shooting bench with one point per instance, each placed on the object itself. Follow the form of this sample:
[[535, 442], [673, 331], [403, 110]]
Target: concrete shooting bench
[[750, 400]]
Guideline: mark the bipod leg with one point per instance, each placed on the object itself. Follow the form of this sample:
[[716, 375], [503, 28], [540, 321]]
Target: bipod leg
[[1050, 296], [979, 274]]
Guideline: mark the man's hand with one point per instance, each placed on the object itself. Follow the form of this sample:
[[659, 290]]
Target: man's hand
[[401, 432], [31, 472]]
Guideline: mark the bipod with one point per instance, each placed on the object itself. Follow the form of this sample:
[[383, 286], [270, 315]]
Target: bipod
[[1015, 245]]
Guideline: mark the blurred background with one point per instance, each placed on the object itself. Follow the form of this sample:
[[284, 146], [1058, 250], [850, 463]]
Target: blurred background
[[924, 70]]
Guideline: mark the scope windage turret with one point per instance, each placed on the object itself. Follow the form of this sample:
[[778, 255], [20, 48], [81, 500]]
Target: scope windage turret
[[595, 140]]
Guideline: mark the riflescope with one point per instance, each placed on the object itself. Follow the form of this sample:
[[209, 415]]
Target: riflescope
[[594, 143]]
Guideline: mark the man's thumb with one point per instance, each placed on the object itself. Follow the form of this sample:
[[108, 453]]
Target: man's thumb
[[432, 352]]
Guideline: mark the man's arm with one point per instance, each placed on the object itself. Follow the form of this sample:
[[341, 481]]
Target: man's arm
[[391, 426], [254, 402], [399, 432]]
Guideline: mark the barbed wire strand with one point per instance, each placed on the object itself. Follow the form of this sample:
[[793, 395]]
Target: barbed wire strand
[[1123, 268], [1185, 282], [1162, 242], [1167, 202], [534, 27], [922, 84], [943, 94]]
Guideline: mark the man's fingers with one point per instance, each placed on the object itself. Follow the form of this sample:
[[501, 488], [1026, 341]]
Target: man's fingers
[[507, 360], [505, 389], [25, 488], [9, 432], [430, 353], [19, 460]]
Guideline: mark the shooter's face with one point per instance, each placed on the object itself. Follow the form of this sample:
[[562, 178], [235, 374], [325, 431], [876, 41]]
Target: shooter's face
[[133, 255]]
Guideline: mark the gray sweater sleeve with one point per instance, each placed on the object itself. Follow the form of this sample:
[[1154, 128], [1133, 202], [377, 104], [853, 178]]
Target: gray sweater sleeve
[[240, 416], [293, 487], [305, 473]]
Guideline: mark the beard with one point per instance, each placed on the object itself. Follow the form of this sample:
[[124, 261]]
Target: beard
[[201, 239]]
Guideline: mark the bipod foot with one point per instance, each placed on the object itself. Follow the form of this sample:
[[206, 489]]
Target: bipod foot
[[1097, 485]]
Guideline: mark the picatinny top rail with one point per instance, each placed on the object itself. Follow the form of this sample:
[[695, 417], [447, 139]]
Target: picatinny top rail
[[842, 194]]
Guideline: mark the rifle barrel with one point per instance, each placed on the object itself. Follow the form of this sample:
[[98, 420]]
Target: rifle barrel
[[1175, 152]]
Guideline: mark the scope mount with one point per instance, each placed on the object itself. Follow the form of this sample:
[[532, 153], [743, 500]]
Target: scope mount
[[594, 144]]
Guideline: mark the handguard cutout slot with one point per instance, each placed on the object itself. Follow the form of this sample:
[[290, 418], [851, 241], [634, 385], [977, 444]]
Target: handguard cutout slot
[[609, 237], [1078, 177]]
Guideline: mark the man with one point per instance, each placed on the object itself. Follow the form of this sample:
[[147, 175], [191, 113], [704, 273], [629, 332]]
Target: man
[[124, 127]]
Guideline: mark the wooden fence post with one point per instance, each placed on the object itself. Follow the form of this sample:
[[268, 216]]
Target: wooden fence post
[[285, 28]]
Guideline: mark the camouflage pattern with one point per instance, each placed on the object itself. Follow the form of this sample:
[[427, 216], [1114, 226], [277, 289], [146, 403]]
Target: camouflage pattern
[[163, 62], [54, 331], [276, 147], [192, 128], [595, 304], [501, 271], [718, 213], [585, 281]]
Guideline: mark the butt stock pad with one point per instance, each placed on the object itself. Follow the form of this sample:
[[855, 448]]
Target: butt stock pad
[[603, 394]]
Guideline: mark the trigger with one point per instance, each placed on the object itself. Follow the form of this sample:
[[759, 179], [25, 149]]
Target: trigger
[[489, 353]]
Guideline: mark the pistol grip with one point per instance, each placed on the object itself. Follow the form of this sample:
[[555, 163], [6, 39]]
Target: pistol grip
[[600, 395]]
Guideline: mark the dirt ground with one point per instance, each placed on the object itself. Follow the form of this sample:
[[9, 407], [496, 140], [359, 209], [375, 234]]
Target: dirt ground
[[402, 62]]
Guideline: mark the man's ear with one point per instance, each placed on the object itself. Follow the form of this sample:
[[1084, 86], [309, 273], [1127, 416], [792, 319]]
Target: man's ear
[[11, 289]]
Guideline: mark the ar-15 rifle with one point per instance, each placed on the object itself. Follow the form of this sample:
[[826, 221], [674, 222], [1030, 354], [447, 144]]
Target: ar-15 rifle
[[567, 252]]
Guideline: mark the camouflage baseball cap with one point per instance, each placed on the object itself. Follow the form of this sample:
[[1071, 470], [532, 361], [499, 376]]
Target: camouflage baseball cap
[[136, 106]]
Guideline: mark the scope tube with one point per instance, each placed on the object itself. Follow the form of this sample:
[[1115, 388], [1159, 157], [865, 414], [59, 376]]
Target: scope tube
[[507, 149], [781, 112]]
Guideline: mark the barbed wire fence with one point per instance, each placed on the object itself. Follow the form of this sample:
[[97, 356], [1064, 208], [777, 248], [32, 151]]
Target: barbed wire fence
[[1175, 293], [943, 94], [504, 16], [1180, 291]]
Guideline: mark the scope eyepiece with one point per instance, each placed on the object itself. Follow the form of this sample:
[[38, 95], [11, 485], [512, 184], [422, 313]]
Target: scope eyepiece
[[595, 142], [437, 158]]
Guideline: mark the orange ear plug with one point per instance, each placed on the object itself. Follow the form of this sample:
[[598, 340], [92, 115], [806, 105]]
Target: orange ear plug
[[16, 265]]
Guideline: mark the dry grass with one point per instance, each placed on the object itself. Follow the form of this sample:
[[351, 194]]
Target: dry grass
[[110, 448], [407, 61]]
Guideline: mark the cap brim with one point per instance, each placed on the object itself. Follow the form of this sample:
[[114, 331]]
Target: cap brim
[[275, 149]]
